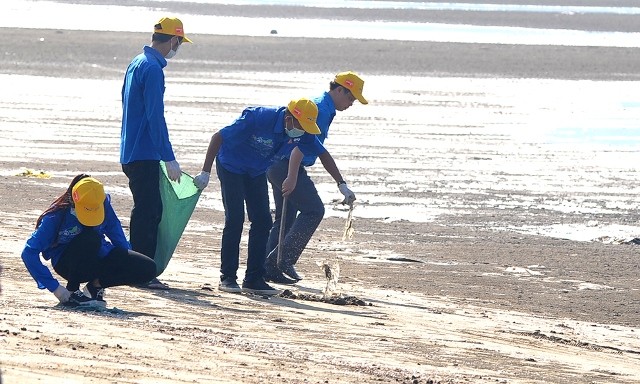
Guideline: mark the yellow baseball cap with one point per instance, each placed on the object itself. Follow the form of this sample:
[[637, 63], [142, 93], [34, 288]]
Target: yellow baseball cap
[[353, 83], [306, 112], [88, 197], [171, 26]]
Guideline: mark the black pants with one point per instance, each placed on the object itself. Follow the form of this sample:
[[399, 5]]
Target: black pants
[[80, 263], [144, 183]]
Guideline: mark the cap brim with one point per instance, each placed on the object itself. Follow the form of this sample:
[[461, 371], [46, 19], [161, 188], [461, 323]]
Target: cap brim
[[310, 127], [185, 38], [361, 99], [90, 218]]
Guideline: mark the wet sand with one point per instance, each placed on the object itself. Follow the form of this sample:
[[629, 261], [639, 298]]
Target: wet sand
[[457, 298], [83, 54]]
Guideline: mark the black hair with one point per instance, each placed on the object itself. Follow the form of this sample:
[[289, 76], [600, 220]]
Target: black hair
[[333, 85], [63, 201], [163, 37]]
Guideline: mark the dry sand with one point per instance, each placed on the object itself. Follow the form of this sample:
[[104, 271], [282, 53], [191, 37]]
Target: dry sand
[[451, 300]]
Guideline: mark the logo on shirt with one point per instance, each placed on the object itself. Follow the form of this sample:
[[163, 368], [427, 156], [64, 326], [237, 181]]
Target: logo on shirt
[[67, 234], [262, 145]]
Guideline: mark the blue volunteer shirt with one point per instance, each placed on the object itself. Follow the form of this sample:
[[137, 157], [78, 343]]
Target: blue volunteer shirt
[[54, 234], [326, 113], [257, 138], [144, 134]]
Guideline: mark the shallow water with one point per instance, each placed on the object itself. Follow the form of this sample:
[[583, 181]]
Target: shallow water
[[458, 147]]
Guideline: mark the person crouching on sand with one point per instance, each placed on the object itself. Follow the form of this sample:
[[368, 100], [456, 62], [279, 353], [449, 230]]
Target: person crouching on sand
[[72, 233]]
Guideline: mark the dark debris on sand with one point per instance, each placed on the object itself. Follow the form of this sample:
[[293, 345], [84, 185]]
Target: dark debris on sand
[[334, 299]]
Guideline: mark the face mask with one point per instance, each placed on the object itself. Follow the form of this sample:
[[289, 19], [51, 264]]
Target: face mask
[[295, 132], [172, 52]]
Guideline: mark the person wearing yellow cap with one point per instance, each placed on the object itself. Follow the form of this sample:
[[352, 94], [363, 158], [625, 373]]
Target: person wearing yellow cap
[[243, 151], [344, 90], [83, 239], [144, 137]]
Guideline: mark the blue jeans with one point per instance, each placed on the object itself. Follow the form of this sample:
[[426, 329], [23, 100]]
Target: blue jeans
[[236, 191], [298, 229], [144, 183]]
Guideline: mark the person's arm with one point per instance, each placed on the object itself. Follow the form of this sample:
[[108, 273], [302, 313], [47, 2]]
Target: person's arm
[[154, 107], [41, 239], [201, 180], [40, 273], [237, 132], [289, 184], [330, 165], [158, 131], [214, 147]]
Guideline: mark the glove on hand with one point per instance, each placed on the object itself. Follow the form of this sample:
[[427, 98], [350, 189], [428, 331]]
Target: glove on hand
[[173, 170], [201, 180], [349, 196], [62, 294]]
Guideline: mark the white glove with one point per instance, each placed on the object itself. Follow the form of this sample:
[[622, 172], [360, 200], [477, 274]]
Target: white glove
[[173, 170], [349, 196], [201, 180], [62, 294]]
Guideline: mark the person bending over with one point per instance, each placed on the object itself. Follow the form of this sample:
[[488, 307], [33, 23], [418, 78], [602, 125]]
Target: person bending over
[[345, 88]]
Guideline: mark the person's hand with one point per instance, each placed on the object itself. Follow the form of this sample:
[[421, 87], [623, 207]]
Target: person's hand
[[201, 180], [349, 197], [62, 294], [173, 170], [288, 185]]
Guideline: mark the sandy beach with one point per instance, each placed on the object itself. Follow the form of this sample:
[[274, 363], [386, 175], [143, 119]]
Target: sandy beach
[[497, 193]]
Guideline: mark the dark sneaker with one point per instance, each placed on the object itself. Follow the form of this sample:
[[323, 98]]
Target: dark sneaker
[[291, 272], [78, 299], [259, 287], [229, 285], [96, 294], [278, 278]]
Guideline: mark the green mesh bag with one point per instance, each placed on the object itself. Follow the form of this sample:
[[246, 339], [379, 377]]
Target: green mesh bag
[[178, 202]]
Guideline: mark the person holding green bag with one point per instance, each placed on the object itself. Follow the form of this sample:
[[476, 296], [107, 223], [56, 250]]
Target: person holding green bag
[[144, 139]]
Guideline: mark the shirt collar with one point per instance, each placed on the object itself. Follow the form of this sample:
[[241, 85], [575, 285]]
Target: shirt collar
[[329, 101], [155, 54]]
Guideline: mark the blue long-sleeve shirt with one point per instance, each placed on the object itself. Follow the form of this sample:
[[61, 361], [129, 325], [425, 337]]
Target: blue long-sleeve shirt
[[326, 113], [257, 138], [55, 232], [144, 134]]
